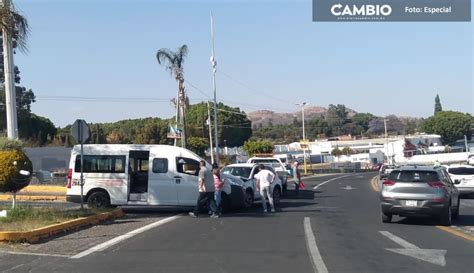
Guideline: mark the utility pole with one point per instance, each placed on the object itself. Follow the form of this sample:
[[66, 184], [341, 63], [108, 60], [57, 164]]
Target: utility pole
[[10, 96], [210, 131], [303, 104], [386, 137], [214, 63]]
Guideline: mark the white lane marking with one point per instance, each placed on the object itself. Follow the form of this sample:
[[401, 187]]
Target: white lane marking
[[434, 256], [123, 237], [318, 263], [332, 179], [34, 254], [398, 240]]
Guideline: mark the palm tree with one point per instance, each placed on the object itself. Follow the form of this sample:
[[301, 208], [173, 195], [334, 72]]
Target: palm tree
[[174, 63], [14, 29]]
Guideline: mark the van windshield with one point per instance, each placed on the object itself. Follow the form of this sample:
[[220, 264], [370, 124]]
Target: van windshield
[[413, 176]]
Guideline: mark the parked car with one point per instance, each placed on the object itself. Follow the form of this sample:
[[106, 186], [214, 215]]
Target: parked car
[[385, 170], [274, 163], [415, 190], [247, 172], [463, 177], [43, 176]]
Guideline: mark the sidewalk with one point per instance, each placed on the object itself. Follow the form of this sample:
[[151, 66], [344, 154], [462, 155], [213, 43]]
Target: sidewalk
[[38, 193]]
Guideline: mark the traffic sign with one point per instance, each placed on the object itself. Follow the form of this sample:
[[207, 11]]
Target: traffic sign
[[80, 131]]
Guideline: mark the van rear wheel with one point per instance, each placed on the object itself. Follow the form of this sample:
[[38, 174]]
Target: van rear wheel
[[98, 200]]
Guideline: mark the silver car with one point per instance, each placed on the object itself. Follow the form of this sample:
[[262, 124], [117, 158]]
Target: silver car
[[415, 190]]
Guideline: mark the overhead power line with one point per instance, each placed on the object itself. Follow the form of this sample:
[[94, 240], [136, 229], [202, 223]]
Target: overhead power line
[[253, 89]]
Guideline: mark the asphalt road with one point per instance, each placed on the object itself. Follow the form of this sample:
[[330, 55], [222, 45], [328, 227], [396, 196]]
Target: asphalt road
[[333, 228]]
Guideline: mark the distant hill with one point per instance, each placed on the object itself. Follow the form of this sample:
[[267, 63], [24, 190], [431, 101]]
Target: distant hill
[[266, 117]]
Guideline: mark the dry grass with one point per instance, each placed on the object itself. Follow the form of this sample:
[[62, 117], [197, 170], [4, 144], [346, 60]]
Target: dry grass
[[26, 218]]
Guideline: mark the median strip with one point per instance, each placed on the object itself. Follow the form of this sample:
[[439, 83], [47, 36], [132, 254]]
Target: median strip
[[44, 232]]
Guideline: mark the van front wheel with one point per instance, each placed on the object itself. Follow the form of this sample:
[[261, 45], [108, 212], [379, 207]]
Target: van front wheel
[[98, 200]]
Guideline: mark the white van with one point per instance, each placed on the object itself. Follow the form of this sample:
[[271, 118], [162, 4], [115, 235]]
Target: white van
[[134, 174]]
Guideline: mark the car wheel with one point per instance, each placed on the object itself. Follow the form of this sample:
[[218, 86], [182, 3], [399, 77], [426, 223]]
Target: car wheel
[[249, 198], [456, 211], [225, 202], [276, 197], [98, 200], [446, 216], [386, 218]]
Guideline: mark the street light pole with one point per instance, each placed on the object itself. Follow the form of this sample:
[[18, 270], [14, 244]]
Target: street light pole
[[210, 131], [213, 63], [386, 137], [303, 104]]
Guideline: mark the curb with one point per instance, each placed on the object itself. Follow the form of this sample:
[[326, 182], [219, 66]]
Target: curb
[[22, 197], [34, 235], [44, 188], [374, 184]]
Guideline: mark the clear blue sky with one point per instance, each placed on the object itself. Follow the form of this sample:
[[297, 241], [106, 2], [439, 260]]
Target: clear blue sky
[[107, 48]]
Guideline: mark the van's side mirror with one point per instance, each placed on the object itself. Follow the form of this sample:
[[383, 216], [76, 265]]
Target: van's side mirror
[[457, 181]]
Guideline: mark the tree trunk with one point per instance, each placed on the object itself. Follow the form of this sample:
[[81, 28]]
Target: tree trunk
[[13, 200]]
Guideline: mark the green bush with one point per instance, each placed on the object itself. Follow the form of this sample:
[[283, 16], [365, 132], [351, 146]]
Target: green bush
[[252, 147], [9, 144], [12, 160]]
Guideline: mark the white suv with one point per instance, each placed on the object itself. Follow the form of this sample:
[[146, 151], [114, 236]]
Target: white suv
[[247, 172], [463, 178], [274, 163]]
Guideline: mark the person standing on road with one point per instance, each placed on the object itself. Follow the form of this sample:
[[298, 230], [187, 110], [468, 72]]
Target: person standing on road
[[206, 192], [264, 180], [296, 177], [218, 185]]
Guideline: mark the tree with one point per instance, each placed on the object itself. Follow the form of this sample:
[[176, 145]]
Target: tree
[[336, 152], [14, 28], [115, 137], [174, 63], [337, 116], [253, 147], [437, 107], [12, 161], [449, 124], [233, 125], [198, 145], [347, 151], [363, 120]]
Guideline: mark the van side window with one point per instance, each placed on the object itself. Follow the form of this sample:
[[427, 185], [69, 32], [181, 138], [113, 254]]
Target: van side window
[[187, 166], [160, 165], [101, 164]]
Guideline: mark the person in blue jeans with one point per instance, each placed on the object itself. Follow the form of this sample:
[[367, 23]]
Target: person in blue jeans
[[218, 185]]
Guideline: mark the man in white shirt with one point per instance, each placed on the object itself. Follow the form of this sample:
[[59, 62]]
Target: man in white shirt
[[264, 180]]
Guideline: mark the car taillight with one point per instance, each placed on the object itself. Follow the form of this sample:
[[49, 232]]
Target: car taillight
[[437, 184], [69, 178], [388, 183], [437, 200]]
